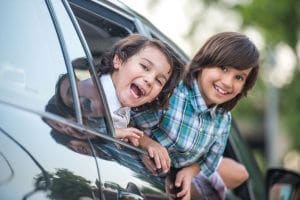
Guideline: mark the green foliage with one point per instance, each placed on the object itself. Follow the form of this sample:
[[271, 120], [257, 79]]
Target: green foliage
[[252, 104], [278, 20]]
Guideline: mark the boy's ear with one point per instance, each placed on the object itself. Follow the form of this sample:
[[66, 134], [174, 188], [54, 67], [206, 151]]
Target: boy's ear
[[117, 62]]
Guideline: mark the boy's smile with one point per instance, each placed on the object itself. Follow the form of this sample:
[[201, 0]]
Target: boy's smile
[[142, 77], [221, 84]]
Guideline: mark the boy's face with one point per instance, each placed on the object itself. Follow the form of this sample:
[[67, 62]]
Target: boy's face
[[221, 84], [141, 78]]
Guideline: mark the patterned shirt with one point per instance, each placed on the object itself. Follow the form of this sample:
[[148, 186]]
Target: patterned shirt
[[190, 131]]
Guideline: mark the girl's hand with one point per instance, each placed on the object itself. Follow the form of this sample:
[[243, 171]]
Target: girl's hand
[[129, 134], [148, 162]]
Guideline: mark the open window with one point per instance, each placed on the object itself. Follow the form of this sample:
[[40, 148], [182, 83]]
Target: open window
[[101, 27]]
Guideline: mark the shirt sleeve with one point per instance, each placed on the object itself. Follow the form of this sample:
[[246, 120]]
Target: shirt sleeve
[[212, 159]]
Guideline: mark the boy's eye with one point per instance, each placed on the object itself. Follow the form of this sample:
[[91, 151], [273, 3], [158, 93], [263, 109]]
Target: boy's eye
[[239, 78], [224, 68]]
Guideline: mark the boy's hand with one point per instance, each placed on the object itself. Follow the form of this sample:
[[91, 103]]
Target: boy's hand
[[158, 153], [184, 180], [129, 134]]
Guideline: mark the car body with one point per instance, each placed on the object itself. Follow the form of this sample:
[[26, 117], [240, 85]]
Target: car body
[[40, 40]]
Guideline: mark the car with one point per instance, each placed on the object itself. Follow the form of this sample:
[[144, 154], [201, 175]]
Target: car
[[41, 41], [283, 183]]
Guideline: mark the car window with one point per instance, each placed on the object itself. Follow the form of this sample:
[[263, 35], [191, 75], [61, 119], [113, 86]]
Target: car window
[[99, 26]]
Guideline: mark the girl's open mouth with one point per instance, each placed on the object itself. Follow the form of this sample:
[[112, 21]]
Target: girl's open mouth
[[137, 91]]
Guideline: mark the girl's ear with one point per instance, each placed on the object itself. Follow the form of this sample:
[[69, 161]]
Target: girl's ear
[[117, 62]]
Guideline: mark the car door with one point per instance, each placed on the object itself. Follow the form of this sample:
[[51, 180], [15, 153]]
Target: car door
[[38, 44]]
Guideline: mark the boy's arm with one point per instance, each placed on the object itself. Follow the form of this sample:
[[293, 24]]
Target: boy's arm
[[157, 152], [232, 173]]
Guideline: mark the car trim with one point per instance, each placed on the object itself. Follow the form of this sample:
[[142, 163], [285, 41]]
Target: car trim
[[67, 61], [115, 16], [239, 159]]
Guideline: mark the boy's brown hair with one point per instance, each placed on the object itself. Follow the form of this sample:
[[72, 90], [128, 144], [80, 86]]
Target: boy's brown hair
[[132, 45], [229, 49]]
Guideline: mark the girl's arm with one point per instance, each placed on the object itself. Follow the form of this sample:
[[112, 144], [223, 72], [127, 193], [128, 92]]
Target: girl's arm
[[129, 134]]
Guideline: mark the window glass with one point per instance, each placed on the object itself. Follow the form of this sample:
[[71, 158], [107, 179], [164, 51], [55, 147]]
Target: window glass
[[31, 57], [100, 32]]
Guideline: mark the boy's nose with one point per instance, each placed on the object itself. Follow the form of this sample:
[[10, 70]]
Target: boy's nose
[[227, 81]]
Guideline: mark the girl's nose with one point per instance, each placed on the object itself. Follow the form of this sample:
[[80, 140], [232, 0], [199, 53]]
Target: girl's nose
[[149, 79]]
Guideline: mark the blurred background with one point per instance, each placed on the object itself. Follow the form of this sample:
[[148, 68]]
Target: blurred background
[[269, 118]]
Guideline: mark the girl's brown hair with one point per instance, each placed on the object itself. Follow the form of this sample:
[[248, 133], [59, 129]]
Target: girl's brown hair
[[230, 49], [132, 45]]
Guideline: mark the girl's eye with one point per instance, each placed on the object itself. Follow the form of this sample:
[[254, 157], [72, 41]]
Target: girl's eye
[[160, 82], [145, 67]]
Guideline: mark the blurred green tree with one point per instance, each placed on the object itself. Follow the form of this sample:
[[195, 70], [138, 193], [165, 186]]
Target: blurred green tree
[[279, 21]]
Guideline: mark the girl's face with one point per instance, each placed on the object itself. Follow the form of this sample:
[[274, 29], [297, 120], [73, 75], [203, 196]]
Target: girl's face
[[221, 84], [141, 78]]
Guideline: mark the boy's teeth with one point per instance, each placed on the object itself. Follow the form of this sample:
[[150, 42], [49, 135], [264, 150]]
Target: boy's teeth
[[220, 90]]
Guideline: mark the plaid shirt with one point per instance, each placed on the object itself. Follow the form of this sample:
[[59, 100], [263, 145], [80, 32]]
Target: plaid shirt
[[189, 130]]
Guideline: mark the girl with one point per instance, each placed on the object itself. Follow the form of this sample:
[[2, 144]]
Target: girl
[[139, 71]]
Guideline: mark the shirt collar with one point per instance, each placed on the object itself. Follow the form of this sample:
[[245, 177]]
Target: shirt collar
[[110, 93]]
